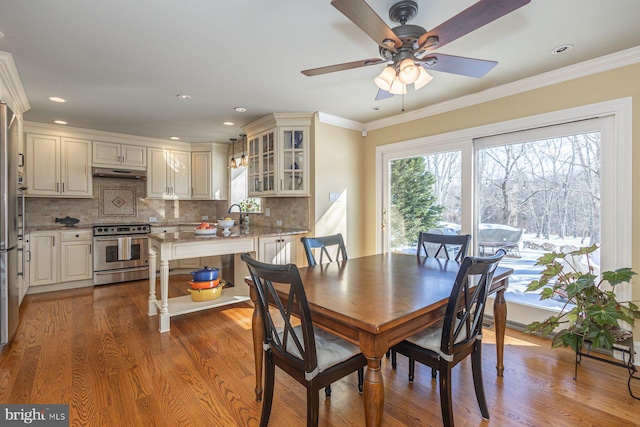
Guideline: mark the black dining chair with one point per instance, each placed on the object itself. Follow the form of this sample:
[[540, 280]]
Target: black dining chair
[[313, 357], [435, 245], [448, 342], [443, 245], [334, 242]]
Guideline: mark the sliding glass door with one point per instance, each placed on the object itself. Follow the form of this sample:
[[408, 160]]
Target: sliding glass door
[[528, 191]]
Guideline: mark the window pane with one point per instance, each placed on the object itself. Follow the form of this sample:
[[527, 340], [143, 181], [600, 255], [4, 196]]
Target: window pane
[[425, 195], [536, 197]]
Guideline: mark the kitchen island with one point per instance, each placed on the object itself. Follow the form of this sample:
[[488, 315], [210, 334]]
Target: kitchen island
[[165, 247]]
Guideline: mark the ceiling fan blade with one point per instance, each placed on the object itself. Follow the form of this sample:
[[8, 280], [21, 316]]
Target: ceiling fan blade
[[470, 19], [342, 67], [470, 67], [383, 94], [361, 14]]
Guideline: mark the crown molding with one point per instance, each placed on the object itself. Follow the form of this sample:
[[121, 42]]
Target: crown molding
[[10, 80], [330, 119], [571, 72]]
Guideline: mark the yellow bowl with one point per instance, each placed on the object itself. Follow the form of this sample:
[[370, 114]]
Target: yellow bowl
[[200, 295]]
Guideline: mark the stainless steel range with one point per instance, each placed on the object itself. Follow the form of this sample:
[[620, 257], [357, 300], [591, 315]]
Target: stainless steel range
[[120, 253]]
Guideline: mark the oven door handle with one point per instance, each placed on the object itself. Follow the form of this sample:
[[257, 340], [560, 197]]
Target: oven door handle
[[103, 273]]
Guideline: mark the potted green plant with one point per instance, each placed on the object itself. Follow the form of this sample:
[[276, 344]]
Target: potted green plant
[[591, 311]]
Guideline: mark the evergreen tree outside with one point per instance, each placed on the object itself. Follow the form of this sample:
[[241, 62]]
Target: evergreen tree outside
[[413, 202]]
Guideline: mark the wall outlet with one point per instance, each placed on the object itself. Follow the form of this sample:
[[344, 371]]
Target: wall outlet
[[205, 217], [267, 211], [153, 219], [279, 223]]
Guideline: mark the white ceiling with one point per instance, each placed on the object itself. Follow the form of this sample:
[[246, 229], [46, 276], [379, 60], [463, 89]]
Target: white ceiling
[[121, 63]]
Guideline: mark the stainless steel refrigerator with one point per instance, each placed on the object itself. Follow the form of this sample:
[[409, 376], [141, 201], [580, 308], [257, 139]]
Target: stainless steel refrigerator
[[9, 292]]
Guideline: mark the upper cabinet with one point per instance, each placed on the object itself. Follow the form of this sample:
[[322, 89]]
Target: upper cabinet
[[209, 177], [58, 166], [279, 147], [109, 154], [168, 174]]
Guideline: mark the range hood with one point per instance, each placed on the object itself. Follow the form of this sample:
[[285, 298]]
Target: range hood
[[119, 173]]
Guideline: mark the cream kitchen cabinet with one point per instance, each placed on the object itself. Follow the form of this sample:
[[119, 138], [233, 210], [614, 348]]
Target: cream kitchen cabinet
[[168, 174], [209, 173], [281, 249], [278, 148], [110, 154], [58, 166], [60, 256]]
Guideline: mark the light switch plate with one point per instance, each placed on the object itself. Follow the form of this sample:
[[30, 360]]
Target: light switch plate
[[153, 219], [278, 223], [205, 217], [267, 211]]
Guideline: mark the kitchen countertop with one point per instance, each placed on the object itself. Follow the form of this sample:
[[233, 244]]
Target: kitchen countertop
[[236, 233]]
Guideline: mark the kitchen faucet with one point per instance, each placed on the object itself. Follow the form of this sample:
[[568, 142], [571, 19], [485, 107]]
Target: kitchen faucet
[[239, 209]]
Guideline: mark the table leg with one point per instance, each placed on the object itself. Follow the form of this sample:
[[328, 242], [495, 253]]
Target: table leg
[[258, 338], [373, 393], [164, 296], [500, 319], [153, 309]]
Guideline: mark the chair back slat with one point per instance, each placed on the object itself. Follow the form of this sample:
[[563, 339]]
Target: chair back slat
[[458, 243], [465, 309], [279, 335], [322, 244]]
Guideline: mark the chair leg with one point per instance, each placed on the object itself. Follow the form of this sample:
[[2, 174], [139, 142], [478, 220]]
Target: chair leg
[[269, 377], [394, 361], [412, 369], [434, 373], [476, 368], [313, 407], [446, 404], [360, 380], [327, 391]]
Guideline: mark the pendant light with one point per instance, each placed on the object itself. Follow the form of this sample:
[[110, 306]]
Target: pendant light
[[243, 160], [232, 162]]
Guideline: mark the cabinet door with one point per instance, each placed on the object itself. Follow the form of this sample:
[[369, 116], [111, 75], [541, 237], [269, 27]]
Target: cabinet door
[[106, 153], [133, 156], [294, 170], [157, 184], [277, 250], [43, 266], [43, 165], [76, 179], [201, 176], [253, 168], [268, 167], [75, 261], [180, 172]]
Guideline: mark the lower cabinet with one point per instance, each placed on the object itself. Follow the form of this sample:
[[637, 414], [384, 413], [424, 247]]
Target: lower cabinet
[[60, 256], [281, 249]]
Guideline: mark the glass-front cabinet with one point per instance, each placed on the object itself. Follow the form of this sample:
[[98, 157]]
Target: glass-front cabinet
[[279, 155]]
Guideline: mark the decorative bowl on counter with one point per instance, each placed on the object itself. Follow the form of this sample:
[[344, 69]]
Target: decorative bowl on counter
[[226, 223], [200, 295], [205, 231], [206, 274]]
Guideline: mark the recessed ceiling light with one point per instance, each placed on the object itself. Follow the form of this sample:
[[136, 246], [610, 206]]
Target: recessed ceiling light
[[60, 122], [175, 138], [183, 96], [562, 49], [240, 109], [228, 123], [56, 99]]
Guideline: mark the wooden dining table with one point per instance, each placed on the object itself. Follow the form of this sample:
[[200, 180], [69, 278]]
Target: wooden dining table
[[377, 301]]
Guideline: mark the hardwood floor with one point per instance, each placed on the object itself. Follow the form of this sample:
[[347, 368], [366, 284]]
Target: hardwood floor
[[97, 350]]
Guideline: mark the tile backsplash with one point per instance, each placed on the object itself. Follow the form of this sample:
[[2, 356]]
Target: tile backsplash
[[118, 201]]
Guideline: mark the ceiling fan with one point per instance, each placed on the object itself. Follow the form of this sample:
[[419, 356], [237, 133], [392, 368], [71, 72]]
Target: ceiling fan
[[406, 49]]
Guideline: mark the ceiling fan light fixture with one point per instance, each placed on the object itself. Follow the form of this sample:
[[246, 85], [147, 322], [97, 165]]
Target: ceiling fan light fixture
[[423, 79], [385, 78], [409, 71], [397, 87]]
